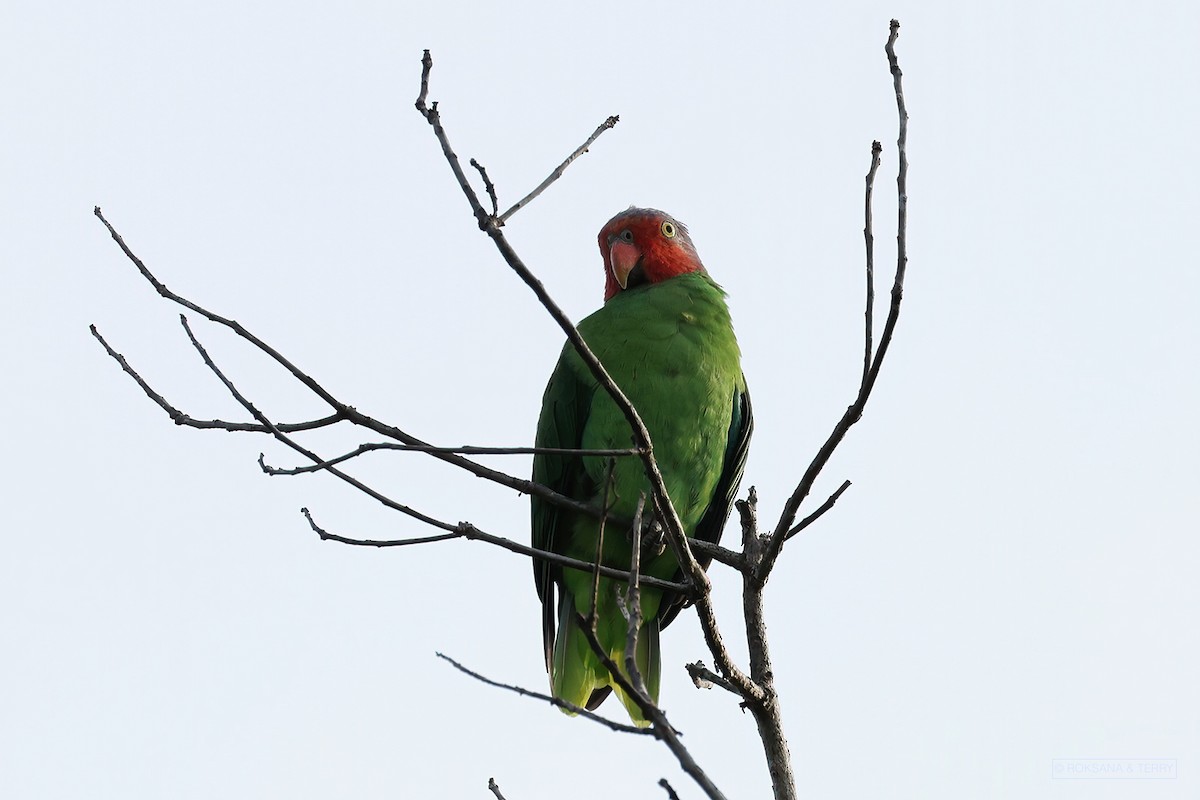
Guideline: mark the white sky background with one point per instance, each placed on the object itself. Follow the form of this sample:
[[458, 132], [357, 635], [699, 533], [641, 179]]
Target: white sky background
[[1012, 578]]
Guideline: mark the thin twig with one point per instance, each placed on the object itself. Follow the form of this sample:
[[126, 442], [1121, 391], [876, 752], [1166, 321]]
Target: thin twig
[[342, 411], [599, 557], [180, 418], [869, 238], [854, 411], [494, 788], [465, 530], [630, 681], [705, 678], [707, 614], [633, 601], [724, 555], [902, 172], [348, 413], [292, 443], [371, 447], [559, 170], [233, 325], [488, 185], [670, 792], [664, 731], [762, 551], [434, 118], [814, 516], [325, 535], [554, 701], [426, 66], [663, 506]]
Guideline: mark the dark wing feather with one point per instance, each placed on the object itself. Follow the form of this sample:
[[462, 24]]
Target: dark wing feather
[[565, 408], [712, 524]]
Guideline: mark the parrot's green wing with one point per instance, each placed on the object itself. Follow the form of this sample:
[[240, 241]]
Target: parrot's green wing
[[565, 408], [712, 524], [671, 347]]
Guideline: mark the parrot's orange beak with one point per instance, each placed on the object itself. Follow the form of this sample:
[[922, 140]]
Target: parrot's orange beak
[[623, 256]]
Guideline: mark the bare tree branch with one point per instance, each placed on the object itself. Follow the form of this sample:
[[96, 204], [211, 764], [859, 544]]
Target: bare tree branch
[[869, 237], [670, 792], [325, 535], [348, 413], [705, 678], [371, 447], [814, 516], [624, 679], [233, 325], [765, 707], [760, 551], [554, 701], [663, 729], [180, 418], [287, 440], [598, 556], [559, 170], [633, 602], [342, 411], [717, 553], [488, 185], [630, 680], [664, 509], [746, 687], [465, 530], [854, 411], [494, 788]]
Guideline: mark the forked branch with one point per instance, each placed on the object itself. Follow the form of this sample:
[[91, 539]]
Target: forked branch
[[760, 551], [874, 363], [491, 225]]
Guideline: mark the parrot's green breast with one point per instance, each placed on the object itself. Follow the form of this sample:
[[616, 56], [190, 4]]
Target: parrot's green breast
[[670, 347]]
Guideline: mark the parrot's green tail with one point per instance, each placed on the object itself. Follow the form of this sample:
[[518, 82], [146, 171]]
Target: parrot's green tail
[[577, 675]]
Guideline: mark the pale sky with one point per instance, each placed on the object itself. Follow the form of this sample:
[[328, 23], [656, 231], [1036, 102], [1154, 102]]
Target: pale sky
[[1011, 581]]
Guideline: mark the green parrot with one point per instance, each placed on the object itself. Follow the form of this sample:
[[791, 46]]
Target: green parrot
[[664, 335]]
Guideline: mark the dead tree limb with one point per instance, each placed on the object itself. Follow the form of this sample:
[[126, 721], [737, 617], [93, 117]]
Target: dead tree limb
[[760, 551]]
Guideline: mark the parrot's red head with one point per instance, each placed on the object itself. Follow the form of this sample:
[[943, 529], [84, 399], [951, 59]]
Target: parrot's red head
[[642, 245]]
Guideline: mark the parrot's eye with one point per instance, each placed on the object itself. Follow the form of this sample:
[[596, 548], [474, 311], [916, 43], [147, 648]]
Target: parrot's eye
[[627, 235], [668, 229]]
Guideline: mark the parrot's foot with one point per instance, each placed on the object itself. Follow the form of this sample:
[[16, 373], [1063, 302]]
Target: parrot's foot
[[654, 539]]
